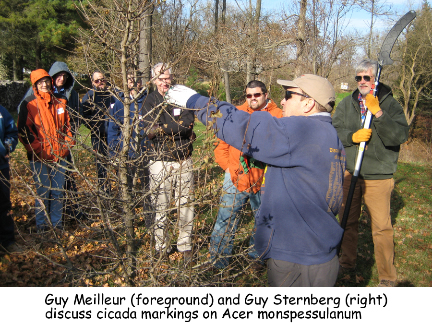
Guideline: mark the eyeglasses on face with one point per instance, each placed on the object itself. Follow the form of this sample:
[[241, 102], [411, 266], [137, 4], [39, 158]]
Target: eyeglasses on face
[[99, 81], [166, 80], [255, 95], [289, 93], [367, 78], [62, 75], [44, 81]]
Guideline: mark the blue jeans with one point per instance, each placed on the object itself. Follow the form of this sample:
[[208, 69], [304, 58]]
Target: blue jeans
[[232, 201], [49, 179]]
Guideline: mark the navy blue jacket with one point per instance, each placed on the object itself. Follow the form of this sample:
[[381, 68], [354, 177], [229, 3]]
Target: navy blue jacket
[[8, 136], [301, 192], [97, 106], [137, 143]]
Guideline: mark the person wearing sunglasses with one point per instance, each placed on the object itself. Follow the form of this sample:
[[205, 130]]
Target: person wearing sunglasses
[[97, 106], [242, 183], [296, 227], [389, 129]]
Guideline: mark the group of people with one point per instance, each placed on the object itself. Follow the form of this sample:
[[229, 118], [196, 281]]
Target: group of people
[[293, 165]]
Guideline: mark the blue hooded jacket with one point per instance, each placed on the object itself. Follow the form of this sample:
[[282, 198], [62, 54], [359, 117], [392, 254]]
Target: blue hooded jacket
[[137, 143], [8, 136]]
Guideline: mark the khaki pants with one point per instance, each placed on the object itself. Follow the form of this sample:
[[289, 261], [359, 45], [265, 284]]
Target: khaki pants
[[288, 274], [376, 195], [166, 178]]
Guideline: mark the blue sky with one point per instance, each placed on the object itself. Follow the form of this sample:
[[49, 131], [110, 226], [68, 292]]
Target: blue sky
[[359, 18]]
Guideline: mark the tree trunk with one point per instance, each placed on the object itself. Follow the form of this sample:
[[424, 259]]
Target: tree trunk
[[251, 56], [146, 44], [20, 73], [216, 15], [301, 36], [224, 64], [14, 68], [227, 84], [38, 53], [371, 29]]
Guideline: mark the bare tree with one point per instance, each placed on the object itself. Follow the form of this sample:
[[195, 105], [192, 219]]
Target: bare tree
[[375, 8], [413, 71], [321, 34], [145, 59], [301, 38]]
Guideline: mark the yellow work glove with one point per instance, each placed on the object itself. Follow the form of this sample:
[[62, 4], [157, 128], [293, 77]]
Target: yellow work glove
[[372, 104], [362, 135]]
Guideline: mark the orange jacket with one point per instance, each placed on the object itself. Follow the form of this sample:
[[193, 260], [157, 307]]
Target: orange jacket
[[43, 127], [229, 157]]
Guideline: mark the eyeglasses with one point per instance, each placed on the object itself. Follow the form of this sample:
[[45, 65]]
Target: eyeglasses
[[367, 78], [289, 93], [99, 81], [44, 81], [64, 75], [166, 80], [255, 95]]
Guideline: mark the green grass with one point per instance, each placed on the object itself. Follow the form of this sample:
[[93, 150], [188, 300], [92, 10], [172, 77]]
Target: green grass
[[411, 213], [340, 96]]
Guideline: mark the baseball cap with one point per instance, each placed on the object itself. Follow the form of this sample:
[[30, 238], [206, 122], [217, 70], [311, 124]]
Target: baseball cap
[[316, 87]]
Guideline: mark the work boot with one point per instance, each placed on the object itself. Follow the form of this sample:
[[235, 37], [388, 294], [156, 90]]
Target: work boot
[[387, 283]]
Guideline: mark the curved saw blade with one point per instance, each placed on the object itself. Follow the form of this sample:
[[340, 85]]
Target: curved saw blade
[[390, 40]]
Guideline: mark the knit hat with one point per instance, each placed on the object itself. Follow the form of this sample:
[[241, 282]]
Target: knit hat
[[38, 74], [316, 87]]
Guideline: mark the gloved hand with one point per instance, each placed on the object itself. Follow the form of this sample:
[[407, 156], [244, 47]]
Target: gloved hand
[[362, 135], [179, 95], [372, 104]]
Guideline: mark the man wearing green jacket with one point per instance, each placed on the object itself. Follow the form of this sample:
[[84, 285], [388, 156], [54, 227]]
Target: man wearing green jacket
[[388, 130]]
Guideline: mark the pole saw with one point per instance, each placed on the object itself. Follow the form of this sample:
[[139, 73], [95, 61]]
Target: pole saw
[[383, 59]]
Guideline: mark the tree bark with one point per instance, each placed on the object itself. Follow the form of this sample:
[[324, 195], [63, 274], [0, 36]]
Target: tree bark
[[216, 15], [146, 44], [301, 36]]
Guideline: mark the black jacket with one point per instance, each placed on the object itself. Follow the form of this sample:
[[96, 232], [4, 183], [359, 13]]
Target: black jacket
[[174, 142]]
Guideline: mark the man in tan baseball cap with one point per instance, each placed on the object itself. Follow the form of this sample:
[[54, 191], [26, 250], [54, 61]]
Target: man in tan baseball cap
[[308, 94], [297, 232]]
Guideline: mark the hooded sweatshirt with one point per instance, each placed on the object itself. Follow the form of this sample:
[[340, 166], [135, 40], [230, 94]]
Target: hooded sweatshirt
[[43, 123], [302, 189], [73, 107]]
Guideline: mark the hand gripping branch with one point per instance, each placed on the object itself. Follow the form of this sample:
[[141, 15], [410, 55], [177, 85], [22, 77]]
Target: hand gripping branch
[[383, 59]]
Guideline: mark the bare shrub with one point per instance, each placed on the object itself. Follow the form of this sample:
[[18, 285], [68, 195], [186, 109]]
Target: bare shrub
[[416, 151]]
